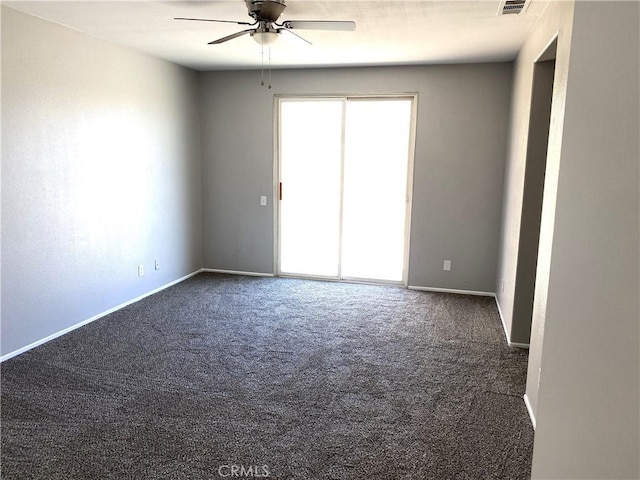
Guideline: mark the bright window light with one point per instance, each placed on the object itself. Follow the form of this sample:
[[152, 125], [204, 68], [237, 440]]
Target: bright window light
[[375, 188], [310, 152], [344, 169]]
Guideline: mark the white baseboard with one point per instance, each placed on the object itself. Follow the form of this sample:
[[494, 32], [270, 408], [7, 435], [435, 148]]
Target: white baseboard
[[506, 332], [530, 410], [504, 324], [235, 272], [95, 317], [452, 290]]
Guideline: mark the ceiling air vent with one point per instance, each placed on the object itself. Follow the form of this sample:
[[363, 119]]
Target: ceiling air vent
[[510, 7]]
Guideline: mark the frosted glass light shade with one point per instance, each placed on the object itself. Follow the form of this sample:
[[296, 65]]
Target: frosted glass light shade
[[265, 38]]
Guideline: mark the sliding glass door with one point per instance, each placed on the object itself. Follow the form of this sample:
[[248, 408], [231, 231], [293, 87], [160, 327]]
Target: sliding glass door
[[310, 187], [344, 176], [376, 160]]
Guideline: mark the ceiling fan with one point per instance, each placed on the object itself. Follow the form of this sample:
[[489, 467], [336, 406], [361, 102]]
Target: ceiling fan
[[265, 14]]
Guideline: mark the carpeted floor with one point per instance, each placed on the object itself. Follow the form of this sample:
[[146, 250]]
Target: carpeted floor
[[277, 378]]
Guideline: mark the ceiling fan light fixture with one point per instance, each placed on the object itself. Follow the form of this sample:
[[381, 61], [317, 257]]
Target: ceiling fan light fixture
[[265, 38]]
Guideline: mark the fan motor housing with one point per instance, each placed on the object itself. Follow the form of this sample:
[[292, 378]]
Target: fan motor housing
[[266, 10]]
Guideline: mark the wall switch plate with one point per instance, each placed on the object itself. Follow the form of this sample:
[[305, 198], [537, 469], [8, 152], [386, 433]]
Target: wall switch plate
[[140, 270], [263, 201], [157, 265], [502, 286], [447, 266]]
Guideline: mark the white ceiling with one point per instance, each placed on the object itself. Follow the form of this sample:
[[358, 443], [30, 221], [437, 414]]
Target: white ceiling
[[391, 32]]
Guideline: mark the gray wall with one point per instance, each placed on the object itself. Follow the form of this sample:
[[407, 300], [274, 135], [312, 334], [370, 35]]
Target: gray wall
[[100, 173], [588, 394], [583, 375], [532, 195], [556, 20], [460, 150]]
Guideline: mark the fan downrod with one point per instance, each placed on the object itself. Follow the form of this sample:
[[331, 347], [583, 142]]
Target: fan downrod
[[265, 10]]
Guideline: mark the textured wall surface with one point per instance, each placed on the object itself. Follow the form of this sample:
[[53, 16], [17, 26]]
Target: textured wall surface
[[587, 402], [100, 173], [556, 21], [458, 172]]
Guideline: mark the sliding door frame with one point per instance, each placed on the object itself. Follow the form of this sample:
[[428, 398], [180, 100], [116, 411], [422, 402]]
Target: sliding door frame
[[277, 100]]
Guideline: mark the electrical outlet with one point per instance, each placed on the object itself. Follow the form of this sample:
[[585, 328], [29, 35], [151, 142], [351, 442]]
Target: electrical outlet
[[140, 270], [447, 266], [263, 201], [157, 265]]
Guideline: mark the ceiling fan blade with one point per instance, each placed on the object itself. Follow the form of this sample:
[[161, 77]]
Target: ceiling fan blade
[[294, 33], [346, 26], [232, 36], [211, 20]]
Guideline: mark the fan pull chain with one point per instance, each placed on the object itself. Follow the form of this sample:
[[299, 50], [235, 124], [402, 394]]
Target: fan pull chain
[[269, 67], [262, 61]]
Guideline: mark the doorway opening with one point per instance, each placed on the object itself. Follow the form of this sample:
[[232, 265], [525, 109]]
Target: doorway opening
[[533, 193], [344, 180]]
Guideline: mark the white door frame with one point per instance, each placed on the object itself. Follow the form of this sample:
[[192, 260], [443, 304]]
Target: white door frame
[[276, 181]]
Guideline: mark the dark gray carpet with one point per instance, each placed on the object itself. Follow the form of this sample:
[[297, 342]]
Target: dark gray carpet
[[297, 379]]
